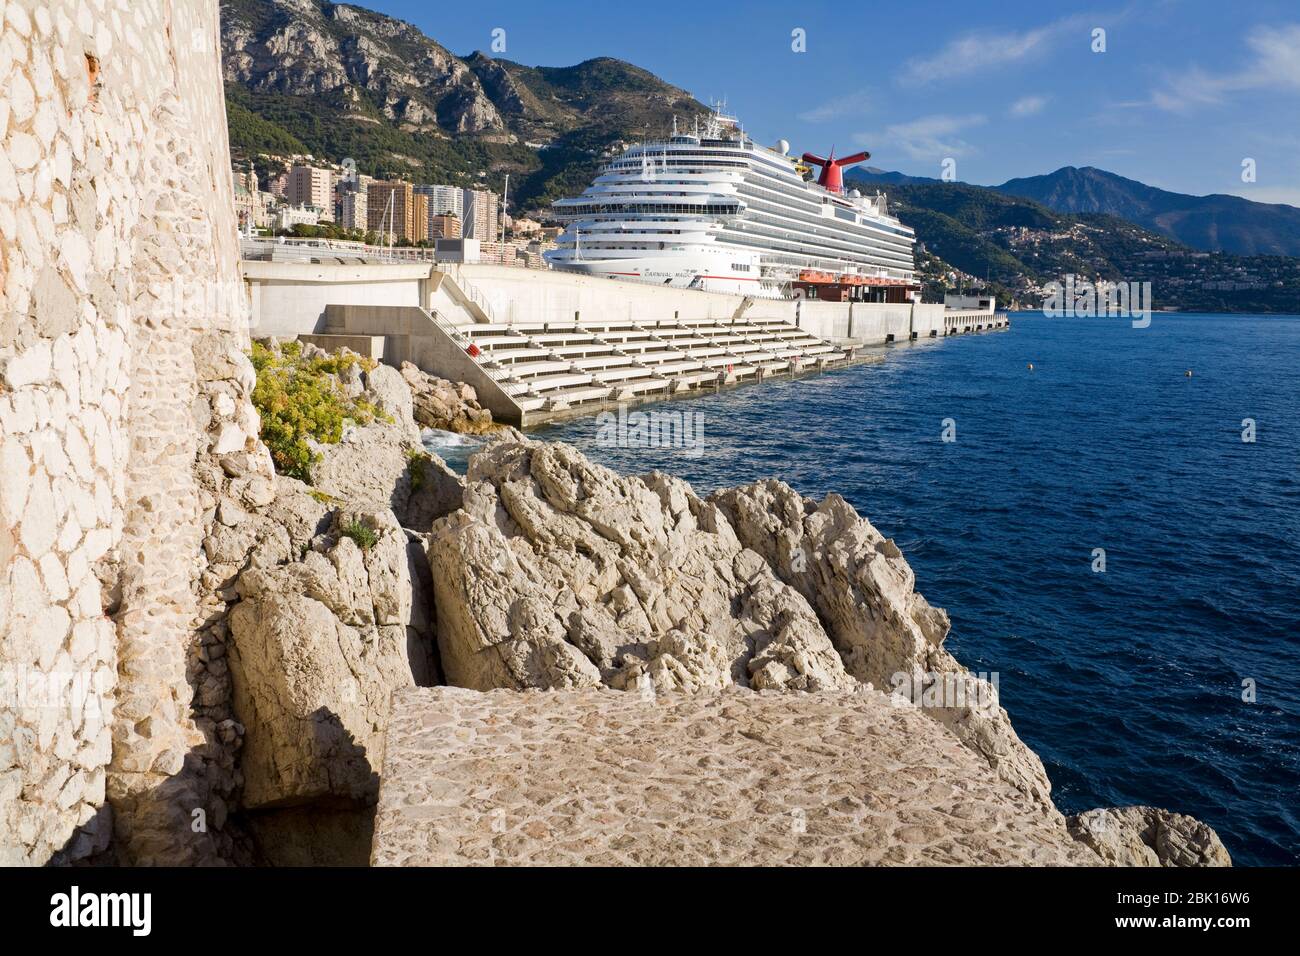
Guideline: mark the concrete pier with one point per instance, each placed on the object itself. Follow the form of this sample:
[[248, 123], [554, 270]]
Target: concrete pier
[[541, 344]]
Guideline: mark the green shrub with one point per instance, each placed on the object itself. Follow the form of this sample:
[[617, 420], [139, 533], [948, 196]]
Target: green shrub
[[300, 400], [416, 459], [363, 535]]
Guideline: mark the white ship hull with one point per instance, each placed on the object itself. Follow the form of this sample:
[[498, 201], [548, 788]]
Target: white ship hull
[[710, 273]]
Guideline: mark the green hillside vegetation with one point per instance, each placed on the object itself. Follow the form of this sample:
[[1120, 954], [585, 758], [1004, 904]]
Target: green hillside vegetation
[[1021, 245], [278, 124]]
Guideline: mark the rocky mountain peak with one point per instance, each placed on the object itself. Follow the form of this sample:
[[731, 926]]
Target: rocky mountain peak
[[373, 65]]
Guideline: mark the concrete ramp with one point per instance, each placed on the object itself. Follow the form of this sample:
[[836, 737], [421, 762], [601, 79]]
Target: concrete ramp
[[397, 334]]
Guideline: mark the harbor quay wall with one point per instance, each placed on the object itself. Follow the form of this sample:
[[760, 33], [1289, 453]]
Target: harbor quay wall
[[291, 298], [533, 295]]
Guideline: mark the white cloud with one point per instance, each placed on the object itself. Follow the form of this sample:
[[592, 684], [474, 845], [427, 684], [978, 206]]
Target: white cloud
[[984, 48], [931, 138], [1028, 105], [1274, 65], [851, 104]]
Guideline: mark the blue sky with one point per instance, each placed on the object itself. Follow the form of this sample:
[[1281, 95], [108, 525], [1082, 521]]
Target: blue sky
[[1184, 92]]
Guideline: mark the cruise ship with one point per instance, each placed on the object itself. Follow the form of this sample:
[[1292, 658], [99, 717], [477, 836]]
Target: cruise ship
[[713, 210]]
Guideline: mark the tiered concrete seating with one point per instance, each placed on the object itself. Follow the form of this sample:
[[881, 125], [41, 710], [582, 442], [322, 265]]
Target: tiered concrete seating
[[553, 365]]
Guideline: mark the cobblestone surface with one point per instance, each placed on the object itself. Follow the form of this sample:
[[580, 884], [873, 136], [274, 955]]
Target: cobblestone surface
[[736, 777]]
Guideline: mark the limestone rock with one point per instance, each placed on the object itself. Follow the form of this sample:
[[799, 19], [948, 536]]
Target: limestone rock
[[306, 689], [1146, 836], [380, 467], [392, 395], [438, 403], [310, 49], [887, 634], [427, 491], [318, 646], [559, 573], [756, 586]]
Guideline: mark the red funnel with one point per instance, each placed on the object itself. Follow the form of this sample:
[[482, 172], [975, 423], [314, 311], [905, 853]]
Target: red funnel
[[831, 178]]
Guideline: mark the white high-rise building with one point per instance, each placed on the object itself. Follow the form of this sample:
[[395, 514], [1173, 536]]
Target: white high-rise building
[[479, 219], [443, 199]]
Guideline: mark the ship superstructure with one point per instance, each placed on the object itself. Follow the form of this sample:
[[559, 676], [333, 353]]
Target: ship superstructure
[[712, 209]]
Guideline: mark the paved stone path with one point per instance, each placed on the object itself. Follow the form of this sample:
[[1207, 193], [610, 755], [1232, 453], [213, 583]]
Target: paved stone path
[[735, 777]]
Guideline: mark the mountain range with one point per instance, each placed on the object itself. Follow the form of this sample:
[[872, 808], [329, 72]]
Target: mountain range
[[1217, 223], [338, 81], [974, 234]]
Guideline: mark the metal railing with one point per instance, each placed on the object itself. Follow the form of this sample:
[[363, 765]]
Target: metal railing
[[285, 249], [511, 385], [469, 290]]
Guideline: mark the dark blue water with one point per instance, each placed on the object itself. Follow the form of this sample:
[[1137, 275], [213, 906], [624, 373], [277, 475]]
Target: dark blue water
[[1127, 683]]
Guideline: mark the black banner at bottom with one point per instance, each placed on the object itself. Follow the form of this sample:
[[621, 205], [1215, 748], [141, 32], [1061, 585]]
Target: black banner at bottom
[[617, 906]]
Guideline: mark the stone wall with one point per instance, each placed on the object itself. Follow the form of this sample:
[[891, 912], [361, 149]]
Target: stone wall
[[121, 331]]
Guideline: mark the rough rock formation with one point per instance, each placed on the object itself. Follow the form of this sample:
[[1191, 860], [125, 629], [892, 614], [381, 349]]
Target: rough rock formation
[[559, 573], [1146, 836], [354, 56], [317, 647], [732, 777], [450, 406], [887, 634], [322, 607], [378, 467]]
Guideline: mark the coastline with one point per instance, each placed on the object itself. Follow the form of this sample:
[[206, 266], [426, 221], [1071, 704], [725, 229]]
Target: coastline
[[1000, 527], [223, 560], [659, 593]]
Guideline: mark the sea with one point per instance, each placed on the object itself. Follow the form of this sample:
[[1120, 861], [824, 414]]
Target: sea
[[1110, 515]]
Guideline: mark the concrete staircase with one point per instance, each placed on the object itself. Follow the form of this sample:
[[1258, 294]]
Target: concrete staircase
[[529, 371], [548, 367]]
